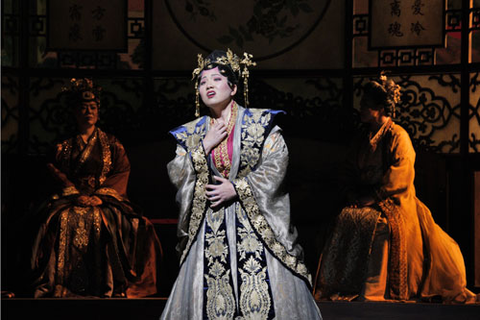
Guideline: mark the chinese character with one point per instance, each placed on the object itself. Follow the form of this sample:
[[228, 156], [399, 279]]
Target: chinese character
[[394, 29], [395, 8], [417, 7], [417, 28], [74, 34], [98, 33], [98, 13], [75, 12]]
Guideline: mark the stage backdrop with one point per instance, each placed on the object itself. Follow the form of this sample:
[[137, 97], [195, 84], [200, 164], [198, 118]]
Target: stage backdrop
[[292, 35]]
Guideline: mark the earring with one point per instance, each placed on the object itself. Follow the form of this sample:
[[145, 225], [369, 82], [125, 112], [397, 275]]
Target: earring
[[197, 101]]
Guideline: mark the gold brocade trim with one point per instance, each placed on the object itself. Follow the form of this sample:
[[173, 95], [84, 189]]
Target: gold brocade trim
[[87, 151], [66, 150], [68, 191], [215, 245], [220, 302], [398, 267], [222, 159], [199, 197], [255, 300], [106, 156], [261, 226], [97, 222], [62, 244], [80, 237], [191, 133], [253, 135], [109, 192]]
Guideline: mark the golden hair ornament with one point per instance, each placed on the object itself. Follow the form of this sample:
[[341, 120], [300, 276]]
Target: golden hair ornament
[[230, 59]]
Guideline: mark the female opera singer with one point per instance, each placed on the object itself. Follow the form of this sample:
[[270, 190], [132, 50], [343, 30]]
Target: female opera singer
[[239, 256]]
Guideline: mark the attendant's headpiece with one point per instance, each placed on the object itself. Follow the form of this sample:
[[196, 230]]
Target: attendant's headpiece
[[385, 92], [82, 90]]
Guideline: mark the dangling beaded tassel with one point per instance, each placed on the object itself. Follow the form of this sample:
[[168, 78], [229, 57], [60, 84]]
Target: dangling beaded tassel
[[245, 90], [246, 62], [197, 101]]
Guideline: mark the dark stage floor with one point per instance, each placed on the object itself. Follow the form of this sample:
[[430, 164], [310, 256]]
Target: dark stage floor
[[150, 309]]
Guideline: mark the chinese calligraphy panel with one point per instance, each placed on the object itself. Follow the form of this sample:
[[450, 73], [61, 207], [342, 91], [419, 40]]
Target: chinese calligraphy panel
[[406, 23], [87, 25]]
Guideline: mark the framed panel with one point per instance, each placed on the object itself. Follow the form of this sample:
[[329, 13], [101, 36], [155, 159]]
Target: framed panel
[[406, 23], [87, 25], [397, 54], [130, 58]]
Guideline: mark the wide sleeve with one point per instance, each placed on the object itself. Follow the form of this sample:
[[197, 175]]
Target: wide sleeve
[[116, 181], [184, 170], [66, 187], [400, 173], [262, 195], [264, 187]]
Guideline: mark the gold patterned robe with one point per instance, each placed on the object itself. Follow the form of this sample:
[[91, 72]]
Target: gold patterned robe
[[420, 259], [241, 260], [102, 251]]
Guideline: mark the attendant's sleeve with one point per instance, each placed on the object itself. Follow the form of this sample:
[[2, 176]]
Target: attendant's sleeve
[[66, 186], [401, 173], [116, 182]]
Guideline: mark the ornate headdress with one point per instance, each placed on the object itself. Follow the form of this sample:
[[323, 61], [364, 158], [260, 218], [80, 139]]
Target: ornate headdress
[[83, 90], [387, 93], [237, 65]]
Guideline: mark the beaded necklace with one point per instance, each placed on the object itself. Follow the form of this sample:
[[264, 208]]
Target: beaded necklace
[[220, 152]]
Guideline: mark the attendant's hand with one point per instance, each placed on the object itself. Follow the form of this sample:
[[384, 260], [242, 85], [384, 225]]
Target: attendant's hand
[[363, 202], [219, 194], [83, 201], [86, 201], [215, 135], [95, 201]]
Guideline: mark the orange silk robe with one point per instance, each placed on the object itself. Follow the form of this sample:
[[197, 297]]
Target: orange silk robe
[[423, 261]]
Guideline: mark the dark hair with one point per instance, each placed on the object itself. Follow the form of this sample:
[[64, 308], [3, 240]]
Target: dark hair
[[384, 92], [225, 70]]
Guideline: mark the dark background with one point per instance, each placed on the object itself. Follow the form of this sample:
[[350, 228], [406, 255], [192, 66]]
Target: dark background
[[141, 103]]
